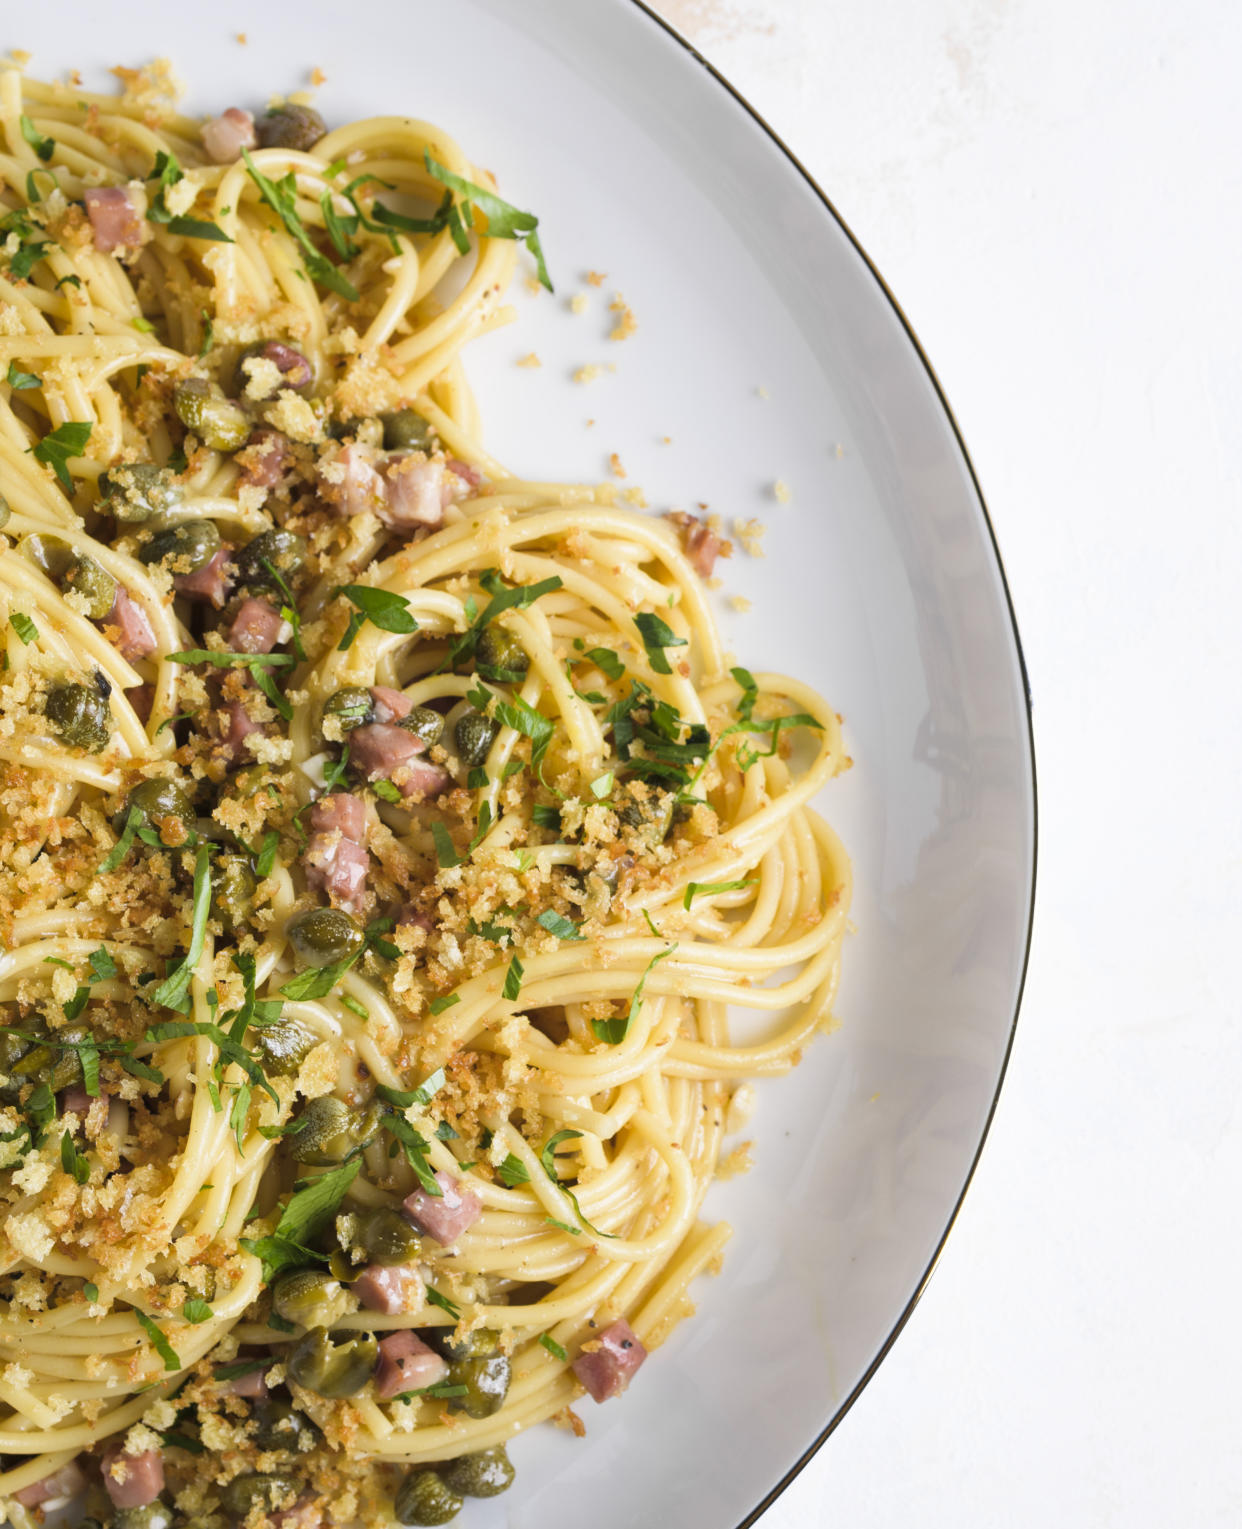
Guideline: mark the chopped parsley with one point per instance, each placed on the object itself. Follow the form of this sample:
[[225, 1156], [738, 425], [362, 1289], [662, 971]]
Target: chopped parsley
[[159, 1342], [311, 1206], [171, 993], [44, 147], [22, 380], [389, 612], [75, 1163], [24, 627], [708, 888], [197, 1310], [167, 172], [512, 1172], [557, 924], [504, 597], [513, 980], [614, 1030], [60, 445], [281, 197], [546, 1339], [504, 221], [657, 635], [443, 1302], [438, 1005]]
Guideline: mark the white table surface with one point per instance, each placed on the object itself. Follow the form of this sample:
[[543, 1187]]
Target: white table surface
[[1051, 189]]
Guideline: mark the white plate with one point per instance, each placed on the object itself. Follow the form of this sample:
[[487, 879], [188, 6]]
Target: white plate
[[881, 585]]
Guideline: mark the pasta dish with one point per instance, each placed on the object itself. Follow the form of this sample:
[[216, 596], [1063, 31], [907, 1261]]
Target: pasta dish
[[385, 840]]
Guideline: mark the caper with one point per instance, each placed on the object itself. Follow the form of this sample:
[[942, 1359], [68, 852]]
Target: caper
[[281, 1426], [135, 491], [152, 1515], [185, 547], [405, 430], [94, 583], [500, 656], [423, 1498], [333, 1369], [215, 419], [284, 1045], [475, 735], [482, 1341], [79, 716], [651, 812], [321, 936], [388, 1237], [485, 1373], [5, 512], [424, 723], [163, 806], [268, 1490], [233, 884], [285, 551], [352, 705], [72, 570], [485, 1474], [308, 1297], [50, 1064], [290, 127], [330, 1130]]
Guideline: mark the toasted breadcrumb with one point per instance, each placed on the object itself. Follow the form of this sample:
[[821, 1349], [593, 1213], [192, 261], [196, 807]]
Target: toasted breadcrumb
[[530, 359], [317, 76], [615, 466], [781, 491], [626, 323], [578, 303], [588, 373], [750, 534], [740, 603], [596, 278]]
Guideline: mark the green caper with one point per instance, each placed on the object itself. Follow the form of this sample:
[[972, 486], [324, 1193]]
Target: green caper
[[485, 1373], [290, 127], [152, 1515], [321, 936], [5, 512], [329, 1130], [500, 656], [185, 547], [232, 895], [485, 1474], [135, 491], [285, 551], [72, 570], [646, 809], [333, 1369], [406, 430], [80, 716], [215, 419], [52, 1065], [281, 1426], [388, 1237], [284, 1046], [423, 1498], [94, 583], [163, 806], [268, 1490], [482, 1341], [352, 704], [308, 1297], [425, 723], [475, 735]]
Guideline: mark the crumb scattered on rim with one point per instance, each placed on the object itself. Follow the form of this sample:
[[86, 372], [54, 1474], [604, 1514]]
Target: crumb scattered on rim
[[317, 76], [626, 322], [781, 491], [740, 603], [596, 278], [578, 303], [588, 373], [750, 534], [616, 467], [530, 359]]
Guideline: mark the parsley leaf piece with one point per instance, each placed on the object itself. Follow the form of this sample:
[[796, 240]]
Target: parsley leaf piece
[[91, 1291], [446, 851], [416, 1147], [607, 661], [657, 635], [532, 724], [197, 1310], [57, 448], [318, 980], [707, 888], [348, 1001], [75, 1163], [557, 924], [74, 1006], [389, 612], [512, 1172], [424, 1093], [478, 779], [546, 1339], [614, 1030], [547, 1159], [443, 1302], [242, 1367], [102, 964], [24, 627], [227, 660], [21, 380], [281, 197], [441, 1388], [209, 333], [504, 221], [386, 791], [504, 597], [265, 861], [311, 1206], [513, 980], [546, 817], [159, 1342], [121, 848], [171, 992], [88, 1055], [43, 147], [438, 1005]]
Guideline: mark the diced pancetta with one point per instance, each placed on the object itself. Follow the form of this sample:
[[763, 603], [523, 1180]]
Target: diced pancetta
[[115, 220], [67, 1482], [225, 136], [256, 628], [389, 1288], [390, 705], [134, 637], [406, 1364], [608, 1361], [350, 483], [210, 583], [342, 813], [132, 1480], [264, 458], [413, 496], [382, 751], [447, 1215]]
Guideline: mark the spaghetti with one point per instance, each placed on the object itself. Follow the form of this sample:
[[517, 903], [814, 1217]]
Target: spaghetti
[[385, 840]]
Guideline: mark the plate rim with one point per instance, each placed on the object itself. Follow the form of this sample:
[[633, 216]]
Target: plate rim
[[675, 37]]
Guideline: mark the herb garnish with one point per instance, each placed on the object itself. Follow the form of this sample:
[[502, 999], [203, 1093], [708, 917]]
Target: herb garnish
[[159, 1342], [380, 607], [59, 445], [548, 1341], [512, 1172], [614, 1030], [708, 888], [311, 1206], [504, 597], [43, 147], [557, 924], [513, 980], [443, 1302], [24, 627], [281, 197], [657, 635], [22, 380], [75, 1163], [504, 221], [167, 172], [171, 993]]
